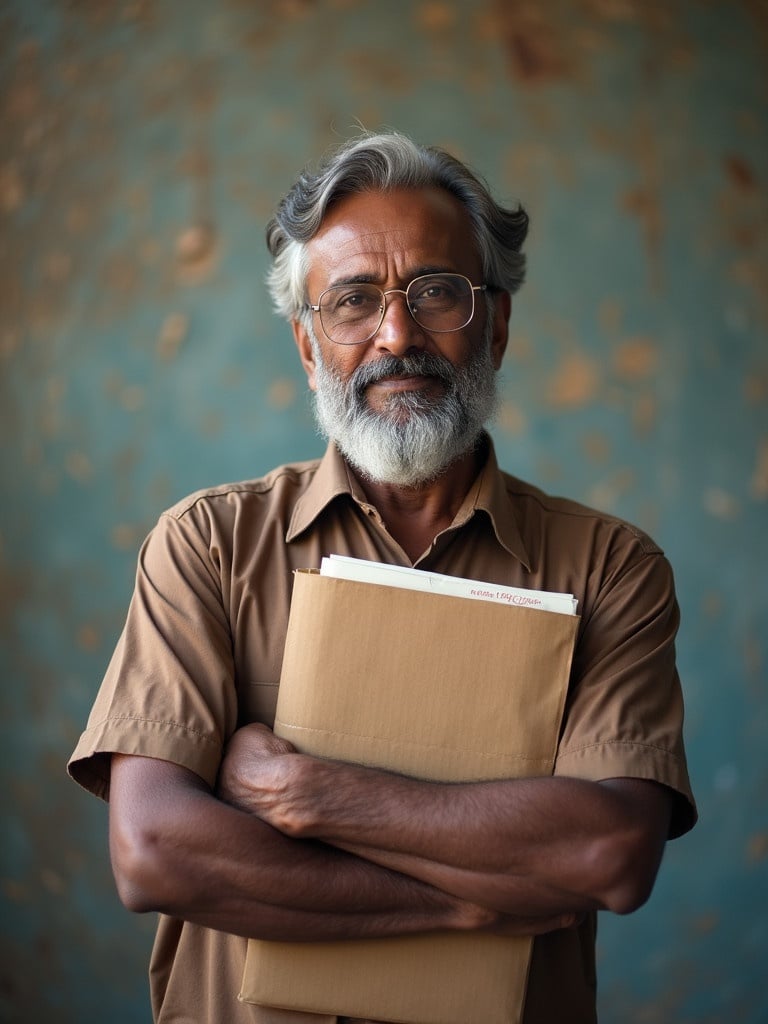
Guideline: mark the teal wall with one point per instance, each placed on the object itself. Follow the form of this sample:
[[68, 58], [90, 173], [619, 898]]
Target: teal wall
[[143, 145]]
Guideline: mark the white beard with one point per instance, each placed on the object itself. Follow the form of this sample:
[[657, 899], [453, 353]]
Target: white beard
[[415, 438]]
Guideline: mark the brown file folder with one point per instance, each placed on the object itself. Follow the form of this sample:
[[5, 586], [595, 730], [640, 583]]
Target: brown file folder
[[440, 688]]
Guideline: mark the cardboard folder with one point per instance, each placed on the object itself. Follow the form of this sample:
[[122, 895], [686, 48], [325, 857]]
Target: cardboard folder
[[439, 688]]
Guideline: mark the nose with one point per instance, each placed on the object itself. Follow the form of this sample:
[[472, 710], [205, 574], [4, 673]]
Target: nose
[[398, 332]]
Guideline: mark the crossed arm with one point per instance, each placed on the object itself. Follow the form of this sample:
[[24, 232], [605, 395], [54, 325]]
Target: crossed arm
[[296, 848]]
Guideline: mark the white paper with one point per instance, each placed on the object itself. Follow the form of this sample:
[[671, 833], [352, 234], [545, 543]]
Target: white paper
[[343, 567]]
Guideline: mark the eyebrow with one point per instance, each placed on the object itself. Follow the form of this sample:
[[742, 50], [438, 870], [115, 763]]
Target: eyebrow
[[433, 268]]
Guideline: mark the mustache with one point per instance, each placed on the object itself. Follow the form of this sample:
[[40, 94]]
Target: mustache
[[417, 364]]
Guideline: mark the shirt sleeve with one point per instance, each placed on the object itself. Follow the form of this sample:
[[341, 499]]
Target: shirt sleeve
[[624, 715], [169, 690]]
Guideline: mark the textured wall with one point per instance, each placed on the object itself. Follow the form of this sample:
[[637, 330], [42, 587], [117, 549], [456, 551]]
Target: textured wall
[[143, 146]]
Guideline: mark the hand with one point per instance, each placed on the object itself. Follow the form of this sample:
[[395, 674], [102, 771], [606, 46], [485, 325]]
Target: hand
[[248, 771]]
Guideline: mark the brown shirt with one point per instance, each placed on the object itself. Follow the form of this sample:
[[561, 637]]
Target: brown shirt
[[201, 651]]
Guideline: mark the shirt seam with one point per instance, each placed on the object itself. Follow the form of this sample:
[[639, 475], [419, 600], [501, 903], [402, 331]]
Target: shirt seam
[[152, 721], [616, 743]]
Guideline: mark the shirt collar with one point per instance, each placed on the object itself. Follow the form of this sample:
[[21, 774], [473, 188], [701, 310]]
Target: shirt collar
[[330, 480], [487, 494]]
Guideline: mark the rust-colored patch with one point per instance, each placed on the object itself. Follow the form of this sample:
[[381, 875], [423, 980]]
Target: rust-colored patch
[[126, 536], [643, 203], [645, 413], [757, 847], [535, 40], [12, 191], [597, 447], [712, 604], [756, 388], [79, 466], [705, 924], [435, 16], [740, 173], [610, 315], [636, 358], [511, 418], [88, 638], [575, 382], [758, 485], [607, 492], [721, 504], [172, 334], [196, 253], [282, 393]]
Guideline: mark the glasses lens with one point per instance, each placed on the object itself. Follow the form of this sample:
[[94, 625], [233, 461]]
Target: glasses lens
[[441, 302], [350, 313]]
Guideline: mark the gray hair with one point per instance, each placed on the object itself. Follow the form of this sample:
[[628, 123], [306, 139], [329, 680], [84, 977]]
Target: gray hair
[[384, 162]]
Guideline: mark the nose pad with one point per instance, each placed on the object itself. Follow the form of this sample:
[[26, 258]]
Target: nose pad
[[398, 331]]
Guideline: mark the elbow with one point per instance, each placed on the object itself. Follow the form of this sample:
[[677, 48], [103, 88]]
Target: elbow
[[142, 878], [625, 869]]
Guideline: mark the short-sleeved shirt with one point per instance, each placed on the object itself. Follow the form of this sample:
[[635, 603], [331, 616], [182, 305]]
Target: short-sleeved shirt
[[201, 651]]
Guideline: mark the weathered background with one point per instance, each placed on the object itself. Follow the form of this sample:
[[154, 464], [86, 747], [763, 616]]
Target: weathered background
[[143, 147]]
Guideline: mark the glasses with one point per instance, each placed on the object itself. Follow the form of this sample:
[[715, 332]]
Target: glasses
[[352, 313]]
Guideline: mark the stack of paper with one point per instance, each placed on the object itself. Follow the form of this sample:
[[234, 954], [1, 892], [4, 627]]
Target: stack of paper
[[345, 568]]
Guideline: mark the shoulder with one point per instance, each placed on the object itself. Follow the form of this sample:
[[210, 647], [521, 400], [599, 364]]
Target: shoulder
[[539, 513], [276, 487]]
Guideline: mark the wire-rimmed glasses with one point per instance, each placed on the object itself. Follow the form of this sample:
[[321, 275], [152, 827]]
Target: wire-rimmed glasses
[[351, 314]]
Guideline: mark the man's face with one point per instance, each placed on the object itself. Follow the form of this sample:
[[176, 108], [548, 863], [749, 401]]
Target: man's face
[[406, 403]]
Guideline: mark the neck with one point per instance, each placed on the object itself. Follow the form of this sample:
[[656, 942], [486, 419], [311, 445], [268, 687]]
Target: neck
[[415, 515]]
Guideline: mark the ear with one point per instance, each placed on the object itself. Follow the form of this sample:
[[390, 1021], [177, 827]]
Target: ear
[[502, 308], [307, 356]]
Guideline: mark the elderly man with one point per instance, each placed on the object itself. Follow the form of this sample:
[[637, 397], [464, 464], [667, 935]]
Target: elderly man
[[395, 267]]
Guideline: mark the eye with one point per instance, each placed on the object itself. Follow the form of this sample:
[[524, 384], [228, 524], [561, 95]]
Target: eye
[[435, 291], [353, 299]]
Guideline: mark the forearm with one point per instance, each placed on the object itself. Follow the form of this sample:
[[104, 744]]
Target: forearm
[[178, 850], [529, 846]]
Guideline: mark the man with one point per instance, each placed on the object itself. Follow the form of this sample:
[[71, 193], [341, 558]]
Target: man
[[395, 268]]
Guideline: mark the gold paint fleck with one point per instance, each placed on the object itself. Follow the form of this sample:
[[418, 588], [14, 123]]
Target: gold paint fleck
[[79, 466], [720, 504], [597, 447], [282, 393], [636, 358], [196, 252], [575, 382], [87, 637], [610, 315], [210, 424], [712, 604], [705, 924], [756, 388], [606, 494], [15, 891], [644, 414], [172, 334], [757, 848], [758, 485], [511, 418], [436, 17], [58, 266], [126, 536], [520, 348], [11, 189], [132, 397], [52, 881], [10, 342], [643, 203], [740, 173]]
